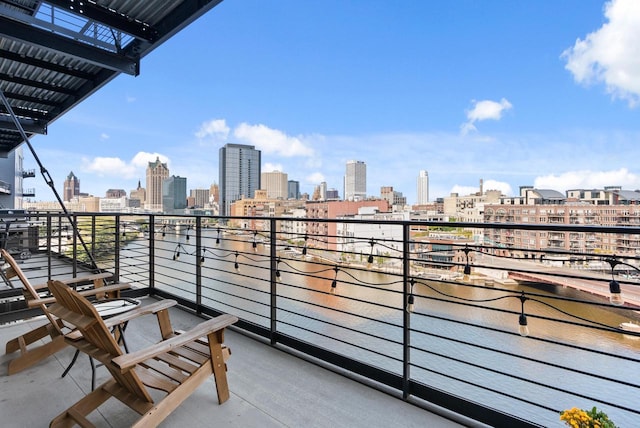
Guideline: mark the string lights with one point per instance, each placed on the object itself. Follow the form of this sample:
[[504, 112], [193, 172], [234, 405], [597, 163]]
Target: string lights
[[334, 283], [467, 267], [615, 296], [411, 298], [523, 329]]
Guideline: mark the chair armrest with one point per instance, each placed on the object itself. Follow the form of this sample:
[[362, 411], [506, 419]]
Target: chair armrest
[[84, 293], [128, 361], [140, 311], [70, 281]]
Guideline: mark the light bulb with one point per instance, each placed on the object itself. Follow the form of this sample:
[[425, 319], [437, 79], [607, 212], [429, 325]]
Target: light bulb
[[616, 295], [616, 299], [523, 329], [410, 303]]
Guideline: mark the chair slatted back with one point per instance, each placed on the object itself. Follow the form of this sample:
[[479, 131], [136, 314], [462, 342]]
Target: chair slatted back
[[28, 290], [79, 312]]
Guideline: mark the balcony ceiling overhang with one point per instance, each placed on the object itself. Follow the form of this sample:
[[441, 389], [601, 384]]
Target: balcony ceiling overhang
[[56, 53]]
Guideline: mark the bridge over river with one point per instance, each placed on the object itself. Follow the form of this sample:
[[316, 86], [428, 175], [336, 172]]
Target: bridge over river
[[596, 283]]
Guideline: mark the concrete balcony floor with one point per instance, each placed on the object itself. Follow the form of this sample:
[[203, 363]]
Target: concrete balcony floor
[[269, 388]]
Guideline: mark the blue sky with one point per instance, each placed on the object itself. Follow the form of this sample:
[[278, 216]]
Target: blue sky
[[543, 93]]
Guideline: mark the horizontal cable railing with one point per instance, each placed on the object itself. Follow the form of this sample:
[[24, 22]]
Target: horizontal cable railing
[[502, 334]]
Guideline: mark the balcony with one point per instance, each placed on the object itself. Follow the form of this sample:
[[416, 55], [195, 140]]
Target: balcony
[[28, 173], [28, 193], [440, 336], [269, 388]]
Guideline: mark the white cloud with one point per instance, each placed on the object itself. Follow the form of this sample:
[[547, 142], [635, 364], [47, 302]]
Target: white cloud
[[142, 159], [315, 178], [216, 128], [104, 136], [504, 187], [105, 167], [484, 110], [586, 179], [611, 54], [270, 167], [130, 99], [116, 167], [272, 141]]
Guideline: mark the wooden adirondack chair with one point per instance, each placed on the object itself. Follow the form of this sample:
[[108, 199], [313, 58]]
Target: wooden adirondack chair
[[32, 348], [177, 365]]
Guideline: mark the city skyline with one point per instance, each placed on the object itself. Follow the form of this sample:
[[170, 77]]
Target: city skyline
[[527, 95]]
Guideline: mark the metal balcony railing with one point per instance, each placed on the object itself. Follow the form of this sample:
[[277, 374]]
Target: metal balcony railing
[[505, 335]]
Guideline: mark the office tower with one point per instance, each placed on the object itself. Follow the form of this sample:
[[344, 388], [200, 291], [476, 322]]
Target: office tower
[[157, 172], [423, 188], [174, 193], [293, 189], [275, 183], [239, 174], [71, 187], [139, 194], [323, 191], [355, 181], [200, 197]]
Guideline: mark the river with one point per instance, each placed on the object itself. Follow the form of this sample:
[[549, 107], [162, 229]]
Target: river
[[362, 318]]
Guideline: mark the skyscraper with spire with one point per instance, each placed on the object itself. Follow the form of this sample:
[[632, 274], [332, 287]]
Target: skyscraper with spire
[[157, 172], [71, 187]]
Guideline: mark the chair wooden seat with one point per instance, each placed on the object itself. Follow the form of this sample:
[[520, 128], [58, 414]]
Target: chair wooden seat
[[177, 365], [31, 345]]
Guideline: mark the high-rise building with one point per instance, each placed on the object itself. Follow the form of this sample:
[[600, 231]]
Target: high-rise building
[[157, 172], [423, 188], [239, 174], [71, 187], [214, 194], [174, 194], [293, 191], [355, 181], [275, 183], [200, 197], [139, 194]]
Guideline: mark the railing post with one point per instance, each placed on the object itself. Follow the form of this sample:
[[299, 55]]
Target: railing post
[[406, 341], [59, 236], [49, 251], [74, 243], [117, 250], [93, 235], [152, 252], [199, 254], [274, 267]]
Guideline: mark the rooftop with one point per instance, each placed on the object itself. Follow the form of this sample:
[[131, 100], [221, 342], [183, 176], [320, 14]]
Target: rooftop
[[269, 387]]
